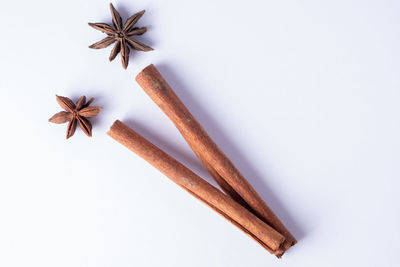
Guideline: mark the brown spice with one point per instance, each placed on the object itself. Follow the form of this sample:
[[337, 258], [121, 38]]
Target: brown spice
[[214, 160], [121, 36], [75, 114], [199, 188]]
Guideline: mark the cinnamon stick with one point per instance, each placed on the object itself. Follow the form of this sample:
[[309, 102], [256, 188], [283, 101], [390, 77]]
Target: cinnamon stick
[[199, 188], [214, 160]]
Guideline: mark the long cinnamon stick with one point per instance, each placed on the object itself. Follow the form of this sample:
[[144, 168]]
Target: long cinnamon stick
[[208, 194], [214, 160]]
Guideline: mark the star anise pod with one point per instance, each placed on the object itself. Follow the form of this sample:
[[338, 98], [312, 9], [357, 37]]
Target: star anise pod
[[120, 35], [75, 114]]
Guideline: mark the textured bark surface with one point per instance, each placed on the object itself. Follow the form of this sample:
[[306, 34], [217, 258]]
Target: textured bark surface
[[199, 188], [214, 160]]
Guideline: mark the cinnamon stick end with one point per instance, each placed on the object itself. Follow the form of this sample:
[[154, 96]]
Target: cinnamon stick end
[[150, 70], [113, 126]]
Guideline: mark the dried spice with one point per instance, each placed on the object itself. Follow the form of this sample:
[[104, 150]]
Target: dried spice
[[75, 114], [121, 36], [214, 160], [226, 206]]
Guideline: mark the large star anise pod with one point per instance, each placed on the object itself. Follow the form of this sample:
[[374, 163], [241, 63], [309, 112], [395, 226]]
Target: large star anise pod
[[120, 35], [75, 114]]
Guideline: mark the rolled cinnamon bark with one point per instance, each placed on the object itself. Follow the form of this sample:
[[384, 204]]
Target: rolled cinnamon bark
[[214, 160], [202, 190]]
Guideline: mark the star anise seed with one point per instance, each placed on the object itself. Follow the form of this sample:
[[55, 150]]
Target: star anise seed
[[120, 35], [75, 114]]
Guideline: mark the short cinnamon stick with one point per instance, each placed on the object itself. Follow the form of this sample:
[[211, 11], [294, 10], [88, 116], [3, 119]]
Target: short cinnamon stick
[[202, 190], [214, 160]]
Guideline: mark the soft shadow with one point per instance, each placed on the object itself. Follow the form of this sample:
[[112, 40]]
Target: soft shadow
[[189, 160], [229, 148]]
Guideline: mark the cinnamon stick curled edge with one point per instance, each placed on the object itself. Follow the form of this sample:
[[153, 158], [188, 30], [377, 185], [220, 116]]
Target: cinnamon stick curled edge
[[213, 159], [199, 188]]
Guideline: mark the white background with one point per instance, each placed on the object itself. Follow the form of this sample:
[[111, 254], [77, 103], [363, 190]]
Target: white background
[[303, 96]]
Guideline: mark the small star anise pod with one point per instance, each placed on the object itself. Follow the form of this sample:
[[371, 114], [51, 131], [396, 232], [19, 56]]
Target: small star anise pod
[[120, 35], [75, 114]]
